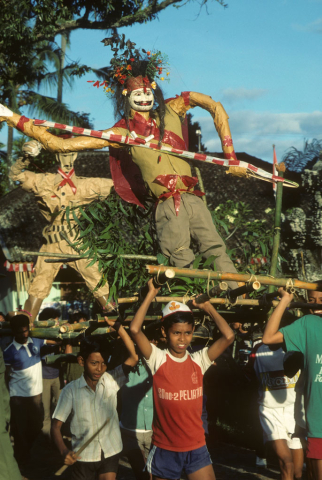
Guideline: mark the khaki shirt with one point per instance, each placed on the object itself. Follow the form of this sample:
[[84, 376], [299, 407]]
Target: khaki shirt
[[53, 201]]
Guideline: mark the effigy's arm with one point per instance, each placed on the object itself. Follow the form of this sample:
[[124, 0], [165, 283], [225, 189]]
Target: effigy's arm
[[189, 100], [51, 142]]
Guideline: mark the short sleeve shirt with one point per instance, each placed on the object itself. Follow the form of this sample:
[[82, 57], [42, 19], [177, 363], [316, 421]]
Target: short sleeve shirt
[[89, 410], [305, 335], [178, 396], [137, 400], [25, 362]]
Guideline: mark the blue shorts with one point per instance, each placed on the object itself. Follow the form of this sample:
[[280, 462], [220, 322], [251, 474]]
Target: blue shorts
[[167, 464]]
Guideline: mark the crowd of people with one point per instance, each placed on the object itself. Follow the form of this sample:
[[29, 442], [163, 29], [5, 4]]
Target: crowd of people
[[145, 399]]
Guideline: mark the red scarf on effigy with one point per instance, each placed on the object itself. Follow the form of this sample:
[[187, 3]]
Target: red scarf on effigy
[[67, 179]]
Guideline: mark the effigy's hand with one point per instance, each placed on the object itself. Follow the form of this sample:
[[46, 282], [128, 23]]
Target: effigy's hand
[[5, 112], [32, 148]]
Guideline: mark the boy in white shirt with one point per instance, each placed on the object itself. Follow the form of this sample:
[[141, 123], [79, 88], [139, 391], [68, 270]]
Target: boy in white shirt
[[91, 401]]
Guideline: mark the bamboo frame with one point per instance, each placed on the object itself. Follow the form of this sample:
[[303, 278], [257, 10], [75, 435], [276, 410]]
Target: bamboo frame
[[239, 277]]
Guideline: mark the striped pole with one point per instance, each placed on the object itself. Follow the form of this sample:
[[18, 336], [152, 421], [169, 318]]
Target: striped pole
[[139, 142]]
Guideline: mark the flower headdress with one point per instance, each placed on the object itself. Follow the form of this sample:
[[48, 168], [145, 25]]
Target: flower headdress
[[126, 67]]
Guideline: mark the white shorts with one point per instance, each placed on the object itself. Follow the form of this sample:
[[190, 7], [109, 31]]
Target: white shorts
[[279, 424]]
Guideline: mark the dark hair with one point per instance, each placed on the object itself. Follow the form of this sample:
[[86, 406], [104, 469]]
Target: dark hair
[[77, 316], [121, 102], [2, 314], [48, 313], [177, 317], [19, 321], [91, 345]]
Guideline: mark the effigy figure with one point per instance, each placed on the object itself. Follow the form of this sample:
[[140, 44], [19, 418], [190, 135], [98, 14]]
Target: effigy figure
[[179, 215], [54, 193]]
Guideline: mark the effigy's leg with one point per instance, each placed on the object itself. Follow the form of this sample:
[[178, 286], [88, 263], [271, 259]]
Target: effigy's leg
[[92, 276], [173, 233], [203, 230], [41, 284]]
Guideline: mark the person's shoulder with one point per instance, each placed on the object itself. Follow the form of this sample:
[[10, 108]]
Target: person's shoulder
[[8, 352], [9, 347], [72, 388]]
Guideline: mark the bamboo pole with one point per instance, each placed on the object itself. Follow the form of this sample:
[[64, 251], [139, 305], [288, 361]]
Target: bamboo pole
[[215, 301], [277, 224], [239, 277], [62, 357], [77, 327], [71, 256], [49, 323], [256, 302]]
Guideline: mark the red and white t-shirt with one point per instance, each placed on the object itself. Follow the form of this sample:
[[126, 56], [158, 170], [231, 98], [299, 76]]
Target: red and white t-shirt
[[177, 394]]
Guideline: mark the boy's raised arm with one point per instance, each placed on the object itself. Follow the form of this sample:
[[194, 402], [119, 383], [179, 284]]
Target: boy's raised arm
[[227, 334], [133, 358], [271, 333], [136, 325]]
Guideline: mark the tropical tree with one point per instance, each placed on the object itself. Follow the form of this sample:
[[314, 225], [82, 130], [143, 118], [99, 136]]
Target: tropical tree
[[296, 160]]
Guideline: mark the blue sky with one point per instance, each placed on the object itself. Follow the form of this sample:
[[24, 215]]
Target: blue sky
[[259, 58]]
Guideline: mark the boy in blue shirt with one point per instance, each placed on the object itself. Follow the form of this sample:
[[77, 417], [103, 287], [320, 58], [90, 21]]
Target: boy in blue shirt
[[24, 375]]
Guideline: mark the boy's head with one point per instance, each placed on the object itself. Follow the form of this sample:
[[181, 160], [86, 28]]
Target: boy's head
[[93, 357], [20, 327], [315, 296], [49, 313], [78, 317], [177, 327]]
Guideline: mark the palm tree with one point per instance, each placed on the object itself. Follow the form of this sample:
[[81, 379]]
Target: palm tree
[[18, 95], [297, 160]]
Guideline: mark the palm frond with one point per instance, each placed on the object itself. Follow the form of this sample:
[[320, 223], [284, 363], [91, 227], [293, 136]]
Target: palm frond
[[42, 105]]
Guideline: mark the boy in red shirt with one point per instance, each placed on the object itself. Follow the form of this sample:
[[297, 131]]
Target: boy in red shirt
[[178, 436]]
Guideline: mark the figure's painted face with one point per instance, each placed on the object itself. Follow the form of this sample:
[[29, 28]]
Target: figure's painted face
[[140, 100], [66, 160]]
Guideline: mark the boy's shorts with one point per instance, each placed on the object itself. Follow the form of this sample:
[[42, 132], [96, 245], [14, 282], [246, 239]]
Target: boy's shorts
[[314, 448], [91, 470], [167, 464], [279, 424]]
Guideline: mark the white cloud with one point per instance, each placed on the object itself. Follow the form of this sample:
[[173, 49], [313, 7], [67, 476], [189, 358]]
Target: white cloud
[[230, 95], [255, 132], [313, 27]]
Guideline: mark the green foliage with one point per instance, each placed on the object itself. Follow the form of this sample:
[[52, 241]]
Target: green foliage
[[113, 227], [253, 237], [109, 227]]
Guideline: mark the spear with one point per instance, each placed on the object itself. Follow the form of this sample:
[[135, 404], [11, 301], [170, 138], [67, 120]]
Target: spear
[[82, 448], [239, 277]]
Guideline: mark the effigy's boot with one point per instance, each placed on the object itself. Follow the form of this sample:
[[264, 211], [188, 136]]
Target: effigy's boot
[[107, 307], [32, 306]]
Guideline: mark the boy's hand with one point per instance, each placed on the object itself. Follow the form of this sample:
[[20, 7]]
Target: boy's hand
[[203, 306], [71, 458], [109, 321], [284, 294], [152, 288]]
